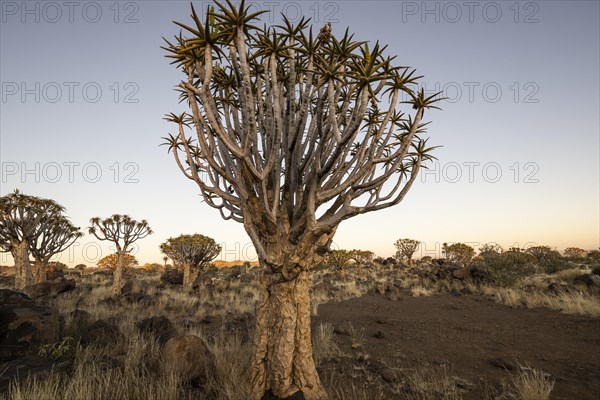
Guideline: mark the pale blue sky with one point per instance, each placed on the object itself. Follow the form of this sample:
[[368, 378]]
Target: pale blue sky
[[522, 77]]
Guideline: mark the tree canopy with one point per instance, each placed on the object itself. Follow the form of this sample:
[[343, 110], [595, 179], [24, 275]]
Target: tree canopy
[[293, 132]]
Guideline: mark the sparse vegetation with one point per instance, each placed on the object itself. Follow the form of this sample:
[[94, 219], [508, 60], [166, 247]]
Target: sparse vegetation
[[506, 268], [405, 248], [549, 260], [532, 384], [129, 365]]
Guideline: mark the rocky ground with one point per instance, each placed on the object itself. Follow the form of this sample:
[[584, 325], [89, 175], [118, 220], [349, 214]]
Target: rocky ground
[[381, 331]]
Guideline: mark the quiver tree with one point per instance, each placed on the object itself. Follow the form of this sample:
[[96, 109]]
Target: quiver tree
[[362, 257], [192, 253], [575, 253], [458, 252], [291, 133], [406, 248], [337, 259], [53, 237], [122, 231], [22, 219]]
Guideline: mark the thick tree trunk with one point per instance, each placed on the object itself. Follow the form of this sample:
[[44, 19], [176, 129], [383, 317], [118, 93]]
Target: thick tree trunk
[[187, 276], [40, 271], [118, 275], [23, 276], [283, 362]]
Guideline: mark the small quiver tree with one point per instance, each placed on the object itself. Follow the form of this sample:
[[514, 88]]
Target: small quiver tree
[[122, 231], [405, 249], [192, 253]]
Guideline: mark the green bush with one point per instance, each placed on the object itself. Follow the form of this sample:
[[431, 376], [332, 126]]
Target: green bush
[[458, 252], [550, 261], [505, 269], [63, 350]]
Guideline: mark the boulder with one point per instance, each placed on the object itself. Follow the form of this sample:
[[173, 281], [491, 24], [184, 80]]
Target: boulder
[[29, 367], [389, 375], [160, 327], [25, 326], [102, 332], [461, 273], [54, 271], [190, 357], [380, 335], [501, 363], [172, 276], [139, 298], [585, 279], [478, 274], [48, 288]]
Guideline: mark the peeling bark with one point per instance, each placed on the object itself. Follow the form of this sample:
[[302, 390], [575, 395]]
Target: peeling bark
[[23, 276], [118, 275], [283, 361], [187, 276], [39, 270]]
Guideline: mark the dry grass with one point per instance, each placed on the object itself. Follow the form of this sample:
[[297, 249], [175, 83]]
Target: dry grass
[[357, 336], [94, 377], [324, 346], [568, 275], [420, 291], [568, 303], [428, 383], [230, 380], [342, 390], [138, 373], [532, 384]]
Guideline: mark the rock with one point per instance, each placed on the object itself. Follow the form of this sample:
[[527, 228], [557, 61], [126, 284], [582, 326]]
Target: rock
[[54, 271], [80, 320], [461, 273], [341, 330], [478, 274], [48, 288], [585, 279], [160, 327], [127, 288], [190, 357], [557, 288], [502, 363], [25, 326], [463, 383], [8, 296], [380, 335], [139, 298], [172, 276], [32, 367], [389, 375], [102, 332]]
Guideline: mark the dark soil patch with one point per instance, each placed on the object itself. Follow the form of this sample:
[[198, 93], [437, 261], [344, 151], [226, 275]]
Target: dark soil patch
[[480, 341]]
